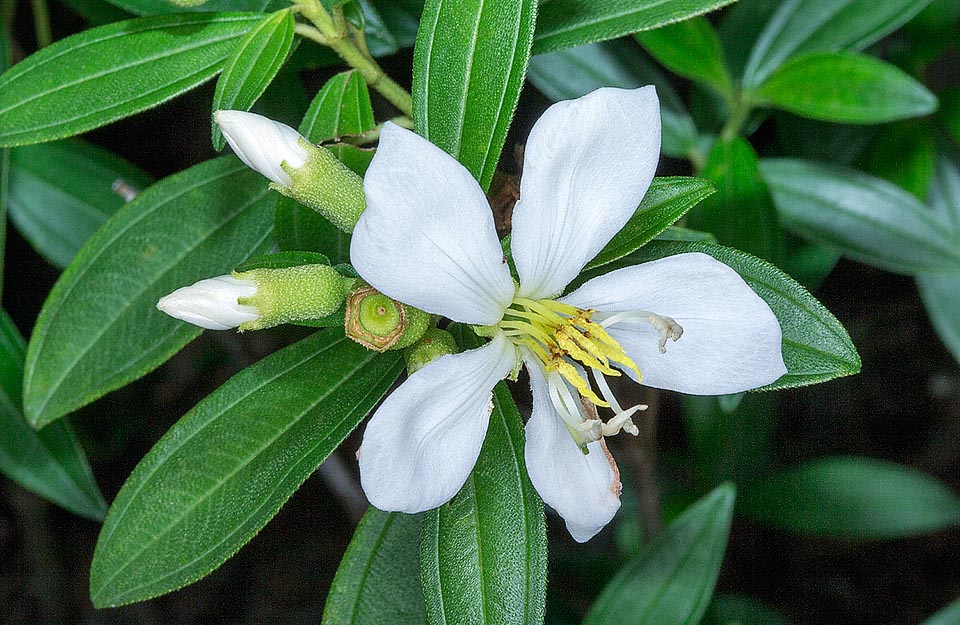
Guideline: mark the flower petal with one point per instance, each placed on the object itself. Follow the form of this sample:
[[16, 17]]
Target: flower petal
[[423, 441], [427, 237], [731, 339], [583, 489], [212, 303], [262, 144], [587, 164]]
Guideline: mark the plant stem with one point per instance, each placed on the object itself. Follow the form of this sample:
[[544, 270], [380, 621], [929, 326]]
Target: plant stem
[[374, 133], [740, 109], [41, 23], [8, 10]]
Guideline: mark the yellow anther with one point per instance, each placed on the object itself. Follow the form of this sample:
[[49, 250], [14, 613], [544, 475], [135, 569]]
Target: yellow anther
[[583, 349], [570, 374]]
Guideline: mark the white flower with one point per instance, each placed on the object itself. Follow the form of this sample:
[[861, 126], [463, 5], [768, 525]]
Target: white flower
[[427, 239], [212, 303], [262, 144]]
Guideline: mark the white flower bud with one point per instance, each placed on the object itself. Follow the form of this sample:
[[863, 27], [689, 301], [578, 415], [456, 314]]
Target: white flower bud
[[262, 144], [212, 303]]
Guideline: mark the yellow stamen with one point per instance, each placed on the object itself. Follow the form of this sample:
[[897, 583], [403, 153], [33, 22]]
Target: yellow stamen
[[569, 373]]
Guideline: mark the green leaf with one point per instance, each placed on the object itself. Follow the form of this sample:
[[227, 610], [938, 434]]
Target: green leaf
[[949, 615], [690, 48], [574, 72], [816, 348], [950, 112], [401, 18], [5, 155], [905, 154], [800, 26], [569, 23], [740, 610], [252, 66], [341, 108], [50, 462], [845, 87], [100, 329], [741, 214], [282, 260], [739, 29], [379, 577], [678, 233], [62, 192], [672, 579], [869, 219], [840, 144], [666, 201], [111, 72], [852, 498], [156, 7], [468, 67], [483, 555], [222, 471]]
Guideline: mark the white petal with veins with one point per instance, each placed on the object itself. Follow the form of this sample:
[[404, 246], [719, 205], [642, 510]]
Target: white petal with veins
[[262, 144]]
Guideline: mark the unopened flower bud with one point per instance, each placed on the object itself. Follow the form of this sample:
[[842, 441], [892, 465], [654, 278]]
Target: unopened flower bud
[[310, 174], [212, 303], [380, 323], [433, 344]]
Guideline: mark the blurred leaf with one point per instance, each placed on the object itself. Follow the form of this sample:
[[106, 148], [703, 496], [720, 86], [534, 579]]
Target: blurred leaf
[[100, 75], [574, 72], [50, 462], [739, 29], [677, 233], [845, 87], [904, 154], [378, 580], [741, 213], [690, 48], [401, 18], [949, 615], [568, 23], [100, 329], [468, 67], [483, 555], [155, 7], [222, 471], [800, 26], [943, 196], [252, 66], [97, 12], [932, 32], [869, 219], [816, 348], [840, 144], [62, 192], [380, 40], [666, 201], [853, 498], [950, 112], [5, 155], [808, 263], [285, 99], [740, 610], [672, 580]]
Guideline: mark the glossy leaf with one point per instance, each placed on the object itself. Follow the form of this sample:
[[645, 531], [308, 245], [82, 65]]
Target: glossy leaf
[[251, 67], [853, 498], [869, 219], [800, 26], [665, 202], [62, 192], [741, 213], [379, 577], [846, 88], [468, 67], [401, 18], [905, 154], [157, 7], [100, 329], [690, 48], [574, 72], [49, 462], [111, 72], [816, 348], [739, 29], [568, 23], [672, 579], [222, 471], [483, 555]]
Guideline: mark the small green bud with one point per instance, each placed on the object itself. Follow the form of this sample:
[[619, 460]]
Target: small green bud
[[434, 343], [292, 294], [380, 323]]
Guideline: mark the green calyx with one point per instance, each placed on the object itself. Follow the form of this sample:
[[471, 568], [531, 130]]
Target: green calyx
[[433, 344], [327, 186], [291, 294], [381, 323]]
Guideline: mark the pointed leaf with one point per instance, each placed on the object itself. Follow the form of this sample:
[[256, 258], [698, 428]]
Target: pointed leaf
[[690, 48], [111, 72], [468, 68], [156, 7], [671, 581], [222, 471], [100, 329]]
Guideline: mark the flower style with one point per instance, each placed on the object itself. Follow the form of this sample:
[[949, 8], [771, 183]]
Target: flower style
[[427, 239]]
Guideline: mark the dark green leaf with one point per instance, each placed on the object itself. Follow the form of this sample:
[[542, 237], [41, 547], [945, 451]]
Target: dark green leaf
[[483, 555], [155, 7], [950, 112], [100, 329], [665, 202], [574, 72], [50, 462], [808, 263], [867, 218], [569, 23], [379, 577], [800, 26], [97, 12], [251, 67], [5, 62], [677, 233], [845, 87], [401, 18], [740, 610], [841, 144], [739, 29], [672, 579], [62, 192], [741, 213], [216, 478], [380, 40], [468, 67], [905, 154], [949, 615], [692, 49], [854, 498], [111, 72], [282, 260]]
